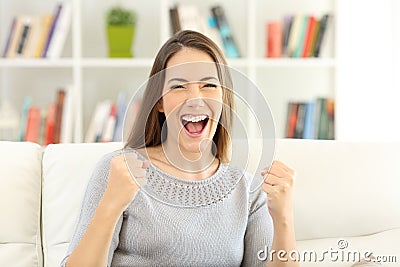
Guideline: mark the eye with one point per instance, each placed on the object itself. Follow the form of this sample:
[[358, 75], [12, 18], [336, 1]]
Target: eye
[[177, 86], [210, 85]]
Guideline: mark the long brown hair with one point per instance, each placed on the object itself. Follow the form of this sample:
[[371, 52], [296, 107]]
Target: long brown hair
[[151, 120]]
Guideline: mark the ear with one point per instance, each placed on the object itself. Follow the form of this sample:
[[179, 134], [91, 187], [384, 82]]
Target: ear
[[159, 106]]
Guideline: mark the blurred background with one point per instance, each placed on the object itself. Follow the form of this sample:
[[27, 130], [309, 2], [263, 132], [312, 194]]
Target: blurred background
[[329, 69]]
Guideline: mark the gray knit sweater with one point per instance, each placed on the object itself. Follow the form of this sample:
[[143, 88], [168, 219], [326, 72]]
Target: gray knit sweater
[[177, 222]]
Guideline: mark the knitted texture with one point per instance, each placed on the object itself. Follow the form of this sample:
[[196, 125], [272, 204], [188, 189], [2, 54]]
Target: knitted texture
[[177, 222]]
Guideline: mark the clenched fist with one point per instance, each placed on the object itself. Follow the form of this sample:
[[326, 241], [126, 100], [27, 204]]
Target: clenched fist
[[278, 184], [122, 188]]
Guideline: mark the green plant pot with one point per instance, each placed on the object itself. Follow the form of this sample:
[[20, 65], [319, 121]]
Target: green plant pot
[[120, 39]]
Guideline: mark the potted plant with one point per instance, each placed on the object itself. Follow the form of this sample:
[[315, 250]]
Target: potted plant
[[121, 24]]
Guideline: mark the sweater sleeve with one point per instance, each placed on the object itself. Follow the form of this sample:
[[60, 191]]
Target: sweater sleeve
[[259, 232], [94, 192]]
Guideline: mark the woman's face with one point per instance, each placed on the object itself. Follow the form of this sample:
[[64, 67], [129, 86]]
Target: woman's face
[[192, 99]]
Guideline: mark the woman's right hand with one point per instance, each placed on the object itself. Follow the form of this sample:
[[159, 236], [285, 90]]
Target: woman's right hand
[[121, 188]]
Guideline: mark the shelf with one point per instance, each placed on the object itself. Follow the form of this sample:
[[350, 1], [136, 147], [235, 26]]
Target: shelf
[[117, 62], [295, 62], [147, 62], [36, 63]]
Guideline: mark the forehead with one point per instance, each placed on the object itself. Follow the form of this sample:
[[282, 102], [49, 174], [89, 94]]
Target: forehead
[[190, 64]]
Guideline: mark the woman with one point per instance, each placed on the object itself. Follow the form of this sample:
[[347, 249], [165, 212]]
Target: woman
[[207, 216]]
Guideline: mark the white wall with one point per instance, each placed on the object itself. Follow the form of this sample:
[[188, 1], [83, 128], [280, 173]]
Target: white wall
[[368, 63]]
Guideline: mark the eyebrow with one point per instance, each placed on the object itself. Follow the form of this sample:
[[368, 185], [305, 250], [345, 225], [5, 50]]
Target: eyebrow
[[201, 80]]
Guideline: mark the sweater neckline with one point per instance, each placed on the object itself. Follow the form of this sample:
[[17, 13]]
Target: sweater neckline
[[177, 191]]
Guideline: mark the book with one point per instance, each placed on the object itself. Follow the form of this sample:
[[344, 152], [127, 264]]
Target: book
[[291, 119], [26, 28], [174, 19], [274, 39], [330, 110], [109, 126], [309, 37], [12, 49], [60, 97], [33, 38], [49, 124], [314, 38], [61, 30], [301, 36], [121, 109], [225, 31], [51, 31], [309, 120], [323, 119], [301, 113], [46, 21], [96, 125], [10, 36], [42, 128], [33, 125], [294, 34], [24, 117], [321, 34], [287, 25], [188, 17]]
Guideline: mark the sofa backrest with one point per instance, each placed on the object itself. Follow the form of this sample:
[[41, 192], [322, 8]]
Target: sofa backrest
[[343, 188], [20, 186], [66, 172]]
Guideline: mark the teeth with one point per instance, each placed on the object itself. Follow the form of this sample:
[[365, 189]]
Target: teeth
[[193, 118]]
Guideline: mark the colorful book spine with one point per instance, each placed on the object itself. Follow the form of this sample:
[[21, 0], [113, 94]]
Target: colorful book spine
[[121, 109], [274, 39], [50, 123], [287, 26], [52, 29], [10, 36], [301, 113], [309, 37], [59, 114], [291, 120], [33, 125], [321, 34], [26, 28], [61, 31], [24, 117], [109, 127], [230, 47], [309, 121], [301, 36]]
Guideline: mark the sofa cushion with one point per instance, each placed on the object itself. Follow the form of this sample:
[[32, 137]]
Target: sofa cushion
[[20, 188], [66, 171]]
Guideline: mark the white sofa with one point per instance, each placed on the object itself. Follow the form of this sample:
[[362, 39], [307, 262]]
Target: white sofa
[[345, 192]]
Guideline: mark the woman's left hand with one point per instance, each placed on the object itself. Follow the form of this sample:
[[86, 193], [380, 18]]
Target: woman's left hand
[[278, 184]]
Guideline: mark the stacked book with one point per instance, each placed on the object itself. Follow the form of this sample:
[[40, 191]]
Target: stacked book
[[311, 120], [41, 36], [298, 36], [107, 123], [50, 125], [214, 25]]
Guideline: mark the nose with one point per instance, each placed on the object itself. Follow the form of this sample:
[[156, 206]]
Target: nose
[[195, 97]]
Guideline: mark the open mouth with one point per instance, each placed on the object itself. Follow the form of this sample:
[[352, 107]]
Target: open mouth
[[194, 124]]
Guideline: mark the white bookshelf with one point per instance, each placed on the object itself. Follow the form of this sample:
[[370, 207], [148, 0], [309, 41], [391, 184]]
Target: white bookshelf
[[85, 64]]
